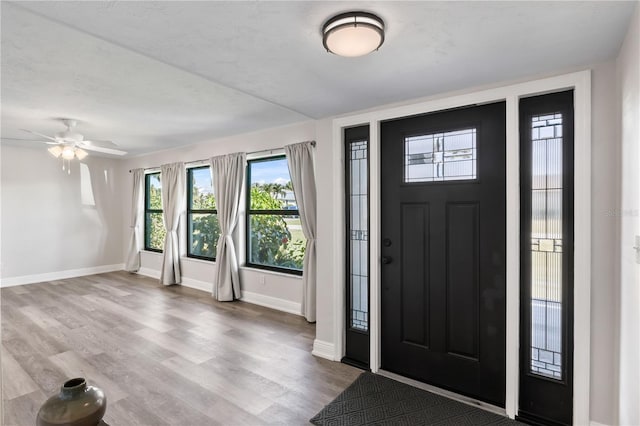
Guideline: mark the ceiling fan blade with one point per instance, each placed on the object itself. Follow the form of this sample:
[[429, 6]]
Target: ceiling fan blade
[[31, 140], [103, 150], [103, 144], [40, 134]]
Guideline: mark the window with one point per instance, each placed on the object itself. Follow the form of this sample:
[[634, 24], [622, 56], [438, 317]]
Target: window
[[357, 172], [441, 156], [202, 218], [153, 227], [274, 232], [546, 244]]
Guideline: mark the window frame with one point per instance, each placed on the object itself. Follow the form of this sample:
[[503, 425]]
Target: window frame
[[147, 210], [251, 212], [191, 211]]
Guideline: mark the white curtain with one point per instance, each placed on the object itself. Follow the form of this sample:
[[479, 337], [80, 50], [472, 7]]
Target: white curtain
[[137, 211], [173, 204], [227, 173], [300, 160]]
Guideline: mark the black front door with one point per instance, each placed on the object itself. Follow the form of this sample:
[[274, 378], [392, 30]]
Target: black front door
[[443, 249]]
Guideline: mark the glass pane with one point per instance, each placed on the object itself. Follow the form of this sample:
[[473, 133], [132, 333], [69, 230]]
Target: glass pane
[[546, 246], [204, 232], [201, 189], [154, 197], [276, 241], [359, 236], [440, 156], [271, 187], [155, 233]]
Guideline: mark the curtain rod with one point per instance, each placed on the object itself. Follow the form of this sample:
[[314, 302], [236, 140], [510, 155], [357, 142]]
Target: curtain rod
[[263, 152]]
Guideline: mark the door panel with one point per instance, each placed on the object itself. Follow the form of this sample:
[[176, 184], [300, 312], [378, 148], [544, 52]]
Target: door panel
[[415, 313], [443, 274], [462, 279]]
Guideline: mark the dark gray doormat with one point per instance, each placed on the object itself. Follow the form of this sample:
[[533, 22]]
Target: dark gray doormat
[[375, 400]]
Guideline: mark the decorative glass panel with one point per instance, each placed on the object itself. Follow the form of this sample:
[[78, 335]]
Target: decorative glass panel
[[546, 245], [359, 235], [440, 156]]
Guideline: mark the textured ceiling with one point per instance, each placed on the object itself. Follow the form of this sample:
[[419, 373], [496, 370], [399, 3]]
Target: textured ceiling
[[153, 75]]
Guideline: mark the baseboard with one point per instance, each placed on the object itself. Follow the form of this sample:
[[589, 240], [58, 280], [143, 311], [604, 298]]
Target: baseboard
[[247, 296], [323, 349], [592, 423], [147, 272], [198, 285], [59, 275], [272, 302], [187, 282]]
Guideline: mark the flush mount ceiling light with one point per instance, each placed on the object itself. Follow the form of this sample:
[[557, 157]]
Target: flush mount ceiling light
[[353, 34]]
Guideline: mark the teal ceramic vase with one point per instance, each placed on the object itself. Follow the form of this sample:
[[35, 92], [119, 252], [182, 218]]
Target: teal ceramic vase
[[76, 405]]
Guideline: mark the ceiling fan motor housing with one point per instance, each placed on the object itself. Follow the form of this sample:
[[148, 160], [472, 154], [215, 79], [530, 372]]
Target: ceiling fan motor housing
[[70, 136]]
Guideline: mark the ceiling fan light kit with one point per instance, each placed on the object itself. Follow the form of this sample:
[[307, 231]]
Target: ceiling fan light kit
[[67, 153], [80, 153], [68, 144], [56, 151], [353, 34]]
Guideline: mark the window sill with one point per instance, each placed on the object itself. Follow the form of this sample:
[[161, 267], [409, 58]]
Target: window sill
[[269, 272], [157, 253]]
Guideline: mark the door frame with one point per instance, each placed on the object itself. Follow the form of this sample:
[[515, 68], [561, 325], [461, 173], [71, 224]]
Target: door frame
[[580, 82]]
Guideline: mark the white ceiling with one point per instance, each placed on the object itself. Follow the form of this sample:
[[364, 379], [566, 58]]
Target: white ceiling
[[153, 75]]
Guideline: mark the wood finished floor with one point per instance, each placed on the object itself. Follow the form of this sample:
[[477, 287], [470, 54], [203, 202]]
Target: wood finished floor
[[163, 355]]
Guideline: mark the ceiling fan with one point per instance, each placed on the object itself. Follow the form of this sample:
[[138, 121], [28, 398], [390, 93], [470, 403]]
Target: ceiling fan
[[70, 144]]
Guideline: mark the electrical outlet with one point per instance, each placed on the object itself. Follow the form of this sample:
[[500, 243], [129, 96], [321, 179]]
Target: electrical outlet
[[261, 279]]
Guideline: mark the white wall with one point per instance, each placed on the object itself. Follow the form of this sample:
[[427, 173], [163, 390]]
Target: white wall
[[604, 241], [326, 171], [277, 289], [56, 224], [629, 213]]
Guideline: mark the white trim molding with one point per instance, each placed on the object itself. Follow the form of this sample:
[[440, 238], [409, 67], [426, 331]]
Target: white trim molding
[[272, 302], [511, 94], [59, 275], [148, 272], [197, 284], [276, 303], [582, 249], [324, 350]]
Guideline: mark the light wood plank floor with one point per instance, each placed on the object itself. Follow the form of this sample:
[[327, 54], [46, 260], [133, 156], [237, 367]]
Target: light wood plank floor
[[163, 355]]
